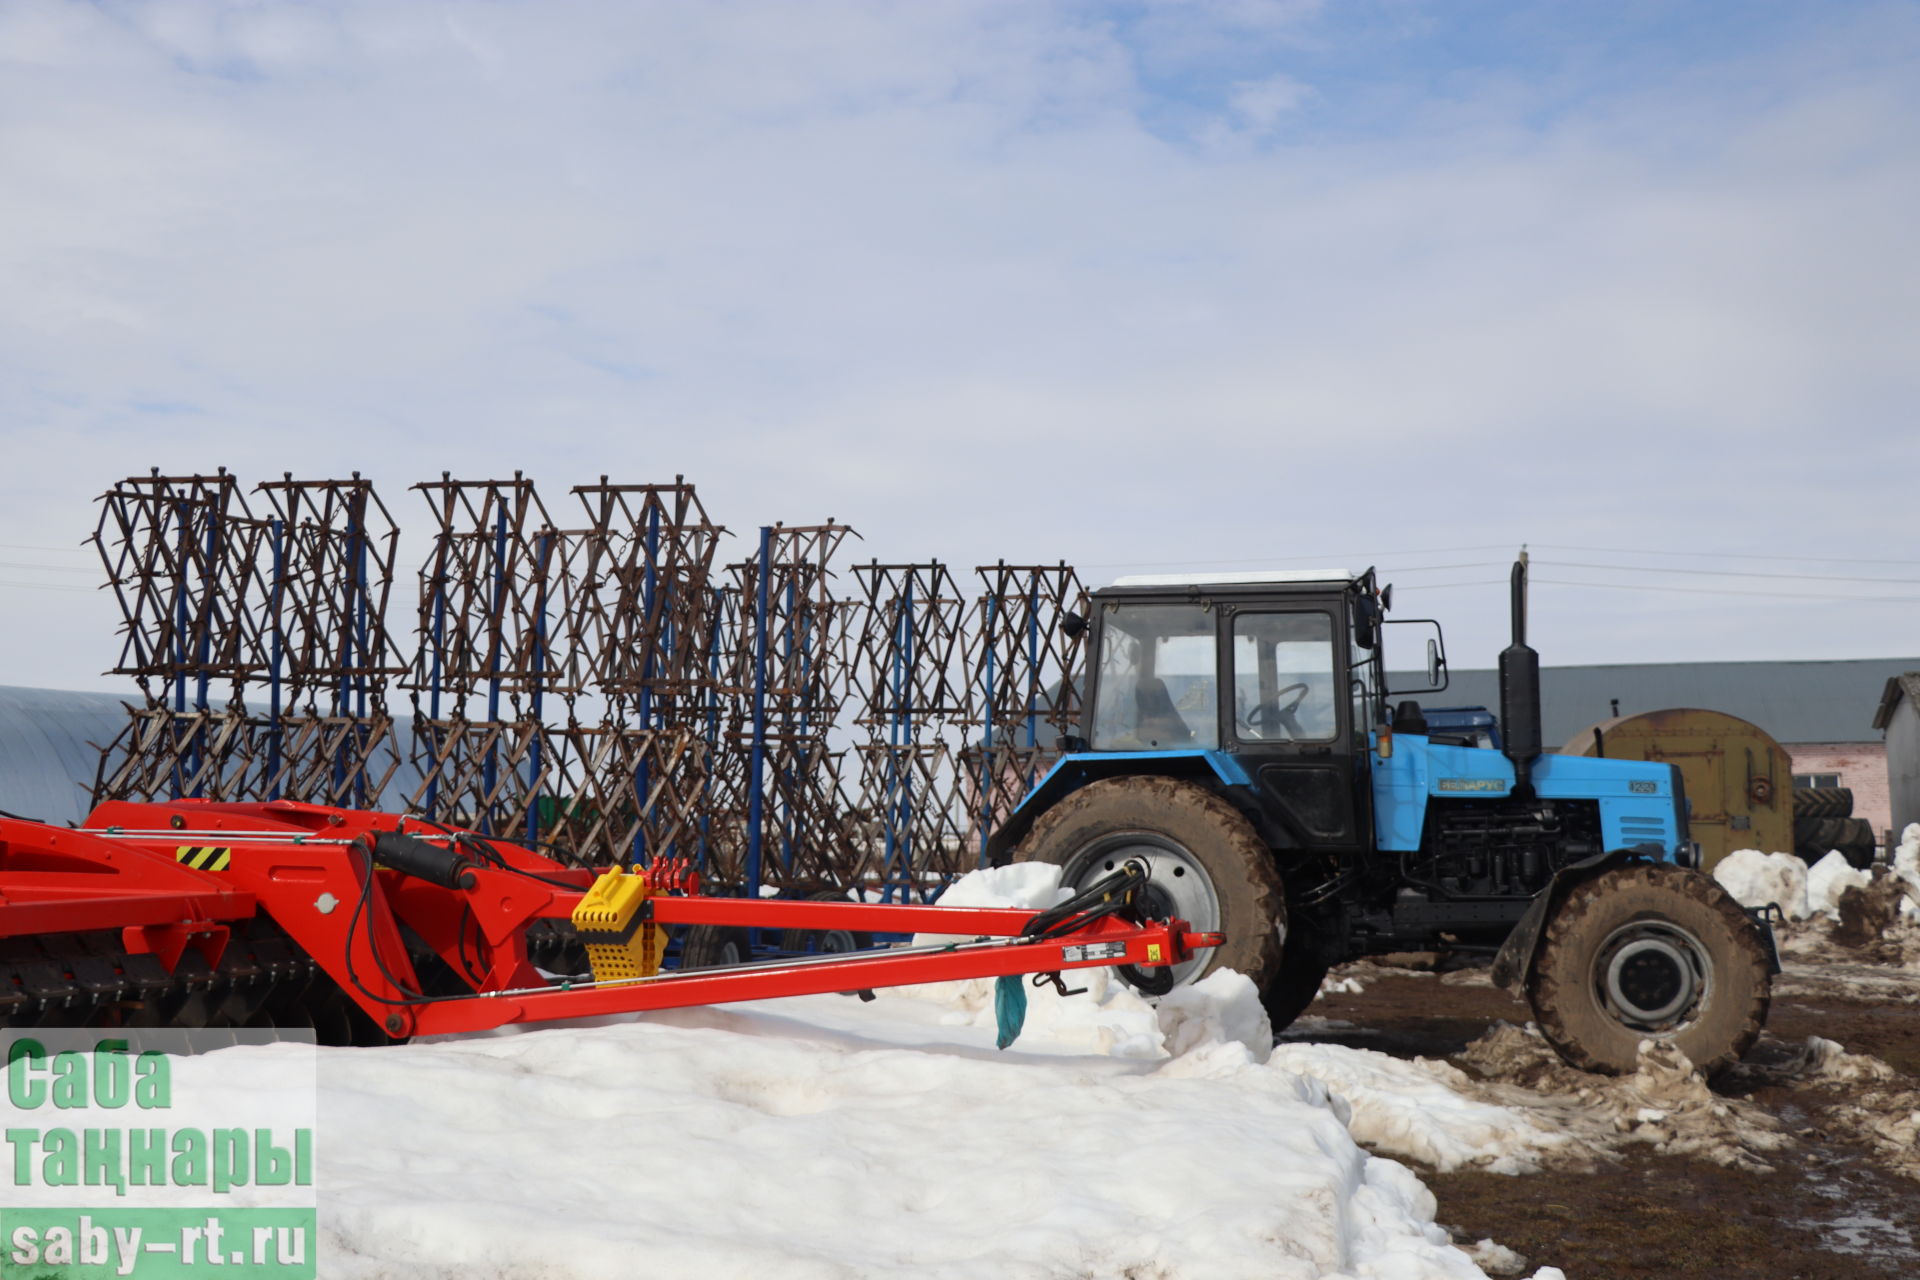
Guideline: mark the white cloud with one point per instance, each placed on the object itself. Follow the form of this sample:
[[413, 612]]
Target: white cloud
[[930, 270]]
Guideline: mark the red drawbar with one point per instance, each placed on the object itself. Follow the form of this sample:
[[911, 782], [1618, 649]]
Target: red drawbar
[[157, 873]]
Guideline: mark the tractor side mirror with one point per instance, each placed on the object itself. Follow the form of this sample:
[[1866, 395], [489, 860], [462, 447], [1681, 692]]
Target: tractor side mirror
[[1073, 624], [1436, 673], [1366, 622]]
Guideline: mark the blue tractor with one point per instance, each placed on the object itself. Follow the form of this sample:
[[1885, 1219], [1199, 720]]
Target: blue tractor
[[1239, 739]]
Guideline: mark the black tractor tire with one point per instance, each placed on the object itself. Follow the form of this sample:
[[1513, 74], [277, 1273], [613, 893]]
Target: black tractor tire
[[825, 941], [1297, 983], [1822, 802], [1180, 829], [1857, 843], [1815, 838], [1672, 939], [713, 946], [1816, 835]]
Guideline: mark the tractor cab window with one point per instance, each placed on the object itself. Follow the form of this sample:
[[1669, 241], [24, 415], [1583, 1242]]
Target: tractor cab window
[[1159, 687], [1283, 678]]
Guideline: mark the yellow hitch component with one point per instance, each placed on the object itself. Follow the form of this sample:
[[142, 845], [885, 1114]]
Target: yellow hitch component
[[615, 923]]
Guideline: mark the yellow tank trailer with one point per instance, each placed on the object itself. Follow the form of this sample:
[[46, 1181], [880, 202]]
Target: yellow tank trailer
[[1739, 780]]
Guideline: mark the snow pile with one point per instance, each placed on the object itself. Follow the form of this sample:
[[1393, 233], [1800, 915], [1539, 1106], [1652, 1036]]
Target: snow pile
[[1355, 976], [1874, 1102], [1517, 1106], [1107, 1017], [1422, 1110], [1222, 1008], [1496, 1259], [1855, 1094], [1034, 885], [1906, 865], [825, 1137], [1757, 879], [1827, 879], [1663, 1103]]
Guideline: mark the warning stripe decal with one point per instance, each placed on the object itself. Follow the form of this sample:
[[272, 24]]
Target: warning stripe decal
[[203, 857]]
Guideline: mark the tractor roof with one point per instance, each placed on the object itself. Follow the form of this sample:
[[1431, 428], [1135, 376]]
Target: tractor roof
[[1248, 578]]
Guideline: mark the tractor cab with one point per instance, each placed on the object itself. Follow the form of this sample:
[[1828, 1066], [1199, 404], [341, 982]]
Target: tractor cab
[[1272, 680]]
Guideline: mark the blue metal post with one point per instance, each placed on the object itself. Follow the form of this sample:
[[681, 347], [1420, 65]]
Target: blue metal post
[[714, 636], [642, 773], [539, 682], [433, 676], [359, 548], [1033, 660], [899, 736], [491, 769], [180, 635], [986, 718], [277, 656], [757, 757], [789, 820]]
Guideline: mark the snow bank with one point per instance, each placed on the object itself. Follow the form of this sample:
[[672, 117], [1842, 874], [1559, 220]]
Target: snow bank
[[1108, 1017], [1522, 1107], [1906, 865], [1756, 879], [1419, 1109], [825, 1137], [1222, 1008], [1827, 879]]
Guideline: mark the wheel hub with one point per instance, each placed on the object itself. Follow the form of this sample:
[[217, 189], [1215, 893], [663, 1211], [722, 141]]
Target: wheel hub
[[1178, 887], [1652, 975]]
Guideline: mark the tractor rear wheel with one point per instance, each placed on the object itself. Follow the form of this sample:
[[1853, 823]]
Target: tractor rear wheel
[[1650, 952], [1297, 984], [1207, 866]]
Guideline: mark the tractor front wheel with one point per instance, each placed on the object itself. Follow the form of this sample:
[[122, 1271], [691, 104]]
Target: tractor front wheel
[[1206, 866], [1650, 952]]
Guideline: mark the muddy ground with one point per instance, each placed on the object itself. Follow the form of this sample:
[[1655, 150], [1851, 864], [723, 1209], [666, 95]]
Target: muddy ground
[[1831, 1208]]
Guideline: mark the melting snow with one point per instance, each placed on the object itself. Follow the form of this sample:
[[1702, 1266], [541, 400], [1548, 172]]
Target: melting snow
[[826, 1137], [1758, 879]]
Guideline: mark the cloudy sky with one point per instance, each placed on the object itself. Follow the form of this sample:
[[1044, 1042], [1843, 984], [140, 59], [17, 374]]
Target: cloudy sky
[[1153, 284]]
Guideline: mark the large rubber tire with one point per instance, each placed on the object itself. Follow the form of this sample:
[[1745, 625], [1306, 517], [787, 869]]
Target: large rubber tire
[[1637, 923], [1297, 983], [1822, 802], [713, 946], [1815, 838], [1208, 866], [825, 941]]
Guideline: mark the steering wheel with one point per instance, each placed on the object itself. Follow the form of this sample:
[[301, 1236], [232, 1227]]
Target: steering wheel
[[1267, 717]]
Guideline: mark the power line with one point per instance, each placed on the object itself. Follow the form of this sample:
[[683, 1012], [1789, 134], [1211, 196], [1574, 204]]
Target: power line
[[1718, 555], [1724, 591], [1690, 591], [43, 586], [46, 568], [1727, 573], [22, 546], [1353, 557]]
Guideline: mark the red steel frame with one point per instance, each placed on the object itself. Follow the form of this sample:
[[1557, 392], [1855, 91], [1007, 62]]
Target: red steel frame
[[306, 867]]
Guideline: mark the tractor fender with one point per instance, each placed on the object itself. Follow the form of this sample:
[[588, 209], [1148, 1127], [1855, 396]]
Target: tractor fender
[[1514, 964], [1073, 772]]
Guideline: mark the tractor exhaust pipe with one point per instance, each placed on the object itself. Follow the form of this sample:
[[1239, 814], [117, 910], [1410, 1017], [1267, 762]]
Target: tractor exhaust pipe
[[1520, 692]]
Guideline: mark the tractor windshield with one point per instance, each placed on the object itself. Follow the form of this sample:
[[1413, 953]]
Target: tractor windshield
[[1158, 685]]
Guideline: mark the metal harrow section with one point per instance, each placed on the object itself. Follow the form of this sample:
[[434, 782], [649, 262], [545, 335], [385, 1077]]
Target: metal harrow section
[[608, 686]]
